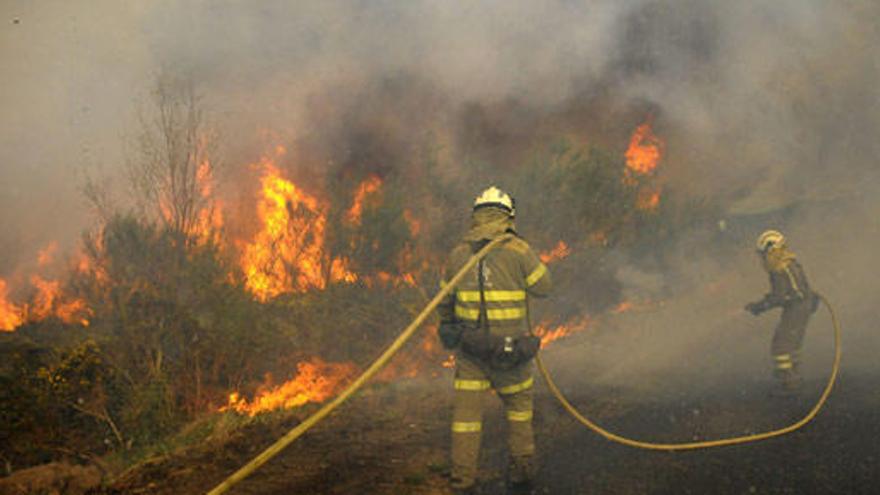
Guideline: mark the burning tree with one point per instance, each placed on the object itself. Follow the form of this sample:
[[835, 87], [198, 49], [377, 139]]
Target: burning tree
[[288, 252], [172, 171]]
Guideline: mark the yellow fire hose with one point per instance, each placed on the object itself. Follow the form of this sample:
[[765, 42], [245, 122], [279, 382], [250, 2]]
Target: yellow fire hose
[[398, 343], [835, 367], [374, 368]]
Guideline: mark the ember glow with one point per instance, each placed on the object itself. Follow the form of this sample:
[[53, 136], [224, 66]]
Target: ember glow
[[315, 381], [560, 251]]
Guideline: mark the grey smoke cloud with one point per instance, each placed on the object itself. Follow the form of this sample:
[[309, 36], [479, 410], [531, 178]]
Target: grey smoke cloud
[[762, 103]]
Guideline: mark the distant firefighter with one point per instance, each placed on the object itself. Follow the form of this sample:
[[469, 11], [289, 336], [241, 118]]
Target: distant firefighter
[[485, 319], [789, 290]]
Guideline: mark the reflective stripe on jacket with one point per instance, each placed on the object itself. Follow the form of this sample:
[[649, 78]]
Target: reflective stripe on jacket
[[512, 272], [789, 285]]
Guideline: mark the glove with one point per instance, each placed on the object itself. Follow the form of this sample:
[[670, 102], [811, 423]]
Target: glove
[[450, 334], [756, 307]]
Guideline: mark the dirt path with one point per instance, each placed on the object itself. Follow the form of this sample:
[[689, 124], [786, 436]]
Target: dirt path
[[838, 453], [713, 383], [394, 440]]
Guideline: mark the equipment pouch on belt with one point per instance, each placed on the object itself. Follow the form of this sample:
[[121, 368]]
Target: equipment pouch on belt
[[499, 352], [514, 351], [527, 347], [477, 342]]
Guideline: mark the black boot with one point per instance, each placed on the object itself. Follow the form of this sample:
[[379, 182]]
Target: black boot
[[462, 487], [788, 385], [520, 475]]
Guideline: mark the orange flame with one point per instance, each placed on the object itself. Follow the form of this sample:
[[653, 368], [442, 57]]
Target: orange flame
[[622, 307], [10, 315], [645, 150], [315, 381], [598, 238], [210, 216], [415, 226], [47, 292], [366, 191], [644, 305], [204, 177], [47, 254], [648, 199], [412, 362], [549, 333], [287, 254], [50, 301], [370, 186], [557, 253], [208, 212], [85, 266], [644, 153]]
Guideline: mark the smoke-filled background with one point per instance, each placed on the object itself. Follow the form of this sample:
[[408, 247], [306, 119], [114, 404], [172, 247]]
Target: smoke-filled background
[[768, 112], [761, 104]]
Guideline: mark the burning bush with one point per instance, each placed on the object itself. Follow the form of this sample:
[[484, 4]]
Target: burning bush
[[282, 307]]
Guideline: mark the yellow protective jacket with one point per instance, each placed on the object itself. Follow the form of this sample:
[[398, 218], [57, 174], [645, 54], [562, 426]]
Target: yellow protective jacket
[[511, 272], [788, 281]]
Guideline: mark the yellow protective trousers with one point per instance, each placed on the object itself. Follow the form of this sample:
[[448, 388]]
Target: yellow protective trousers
[[472, 380], [788, 340]]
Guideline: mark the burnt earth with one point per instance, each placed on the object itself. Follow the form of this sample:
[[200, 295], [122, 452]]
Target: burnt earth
[[394, 440]]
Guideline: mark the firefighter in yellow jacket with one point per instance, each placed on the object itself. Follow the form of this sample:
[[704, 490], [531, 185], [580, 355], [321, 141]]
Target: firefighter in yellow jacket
[[789, 290], [486, 320]]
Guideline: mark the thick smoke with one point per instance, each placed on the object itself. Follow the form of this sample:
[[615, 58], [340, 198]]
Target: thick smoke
[[763, 105], [745, 92]]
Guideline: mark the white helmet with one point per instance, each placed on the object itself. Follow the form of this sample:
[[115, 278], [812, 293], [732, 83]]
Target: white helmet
[[496, 198], [769, 239]]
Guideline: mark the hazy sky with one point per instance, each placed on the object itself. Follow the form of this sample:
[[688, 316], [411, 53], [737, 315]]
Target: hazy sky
[[777, 99]]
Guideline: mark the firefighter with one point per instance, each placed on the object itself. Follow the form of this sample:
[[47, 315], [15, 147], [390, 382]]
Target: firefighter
[[789, 290], [485, 319]]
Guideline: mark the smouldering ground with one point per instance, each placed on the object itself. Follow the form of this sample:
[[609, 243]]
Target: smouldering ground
[[394, 440]]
